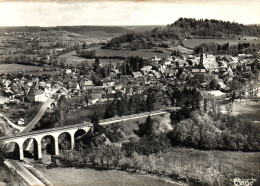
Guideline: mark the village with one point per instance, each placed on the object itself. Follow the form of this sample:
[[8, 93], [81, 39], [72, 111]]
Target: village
[[219, 75]]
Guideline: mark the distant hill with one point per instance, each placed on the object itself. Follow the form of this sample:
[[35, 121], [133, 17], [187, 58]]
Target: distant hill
[[83, 30], [142, 28], [186, 28]]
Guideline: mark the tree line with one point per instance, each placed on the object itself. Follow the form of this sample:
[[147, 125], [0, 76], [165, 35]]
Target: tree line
[[227, 49], [135, 104], [185, 28]]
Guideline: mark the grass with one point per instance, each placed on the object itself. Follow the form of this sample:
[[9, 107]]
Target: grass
[[87, 176], [144, 53], [14, 68], [85, 113], [192, 43], [210, 166], [73, 59], [206, 167], [249, 109]]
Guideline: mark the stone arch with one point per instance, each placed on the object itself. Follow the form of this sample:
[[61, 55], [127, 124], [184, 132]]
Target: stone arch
[[78, 135], [48, 144], [65, 141], [13, 150], [30, 148]]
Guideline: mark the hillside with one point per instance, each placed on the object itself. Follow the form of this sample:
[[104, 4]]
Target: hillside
[[142, 28], [186, 28], [83, 30]]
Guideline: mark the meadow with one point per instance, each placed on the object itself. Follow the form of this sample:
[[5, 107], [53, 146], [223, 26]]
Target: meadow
[[73, 59], [192, 43], [14, 68], [206, 167], [144, 53], [87, 176]]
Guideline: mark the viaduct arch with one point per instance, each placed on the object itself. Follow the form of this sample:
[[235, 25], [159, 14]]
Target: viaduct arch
[[38, 136]]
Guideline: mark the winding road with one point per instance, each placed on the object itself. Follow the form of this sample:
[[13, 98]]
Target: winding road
[[40, 113]]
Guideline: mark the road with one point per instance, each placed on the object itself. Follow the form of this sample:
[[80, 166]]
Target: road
[[102, 122], [35, 120], [23, 172], [136, 116], [11, 123], [40, 113]]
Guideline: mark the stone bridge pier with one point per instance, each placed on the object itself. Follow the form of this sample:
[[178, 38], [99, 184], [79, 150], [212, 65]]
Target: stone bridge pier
[[37, 137]]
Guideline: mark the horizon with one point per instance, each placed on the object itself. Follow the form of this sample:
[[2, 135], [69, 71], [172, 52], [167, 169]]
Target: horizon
[[125, 13]]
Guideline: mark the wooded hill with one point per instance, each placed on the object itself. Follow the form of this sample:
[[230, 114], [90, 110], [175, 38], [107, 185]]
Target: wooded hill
[[84, 30], [187, 28]]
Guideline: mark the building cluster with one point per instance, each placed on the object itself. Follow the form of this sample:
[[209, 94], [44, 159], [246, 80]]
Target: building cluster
[[187, 70]]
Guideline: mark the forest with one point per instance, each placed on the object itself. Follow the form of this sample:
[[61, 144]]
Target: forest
[[185, 28]]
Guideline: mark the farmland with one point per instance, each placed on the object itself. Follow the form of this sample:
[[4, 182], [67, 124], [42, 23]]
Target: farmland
[[87, 176], [192, 43], [144, 53], [208, 166], [109, 55], [15, 68]]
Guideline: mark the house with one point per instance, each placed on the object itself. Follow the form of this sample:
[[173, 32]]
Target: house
[[35, 94], [73, 86], [3, 100], [119, 86], [21, 121], [203, 77], [137, 74], [155, 59], [198, 71], [146, 69], [39, 95], [254, 64], [94, 101], [182, 63], [84, 84], [158, 75]]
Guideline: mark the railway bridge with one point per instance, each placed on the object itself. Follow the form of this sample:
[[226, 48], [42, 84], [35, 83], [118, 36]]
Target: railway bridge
[[37, 137], [21, 140]]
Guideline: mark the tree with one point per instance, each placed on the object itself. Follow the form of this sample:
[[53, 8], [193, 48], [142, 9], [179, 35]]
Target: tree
[[96, 64], [110, 110], [150, 101], [146, 128], [93, 156], [64, 107], [2, 153], [87, 99], [116, 155], [94, 118], [213, 84], [137, 161]]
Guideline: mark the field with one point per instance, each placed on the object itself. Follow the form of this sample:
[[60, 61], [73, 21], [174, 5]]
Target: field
[[249, 109], [84, 114], [73, 59], [210, 165], [14, 68], [87, 176], [206, 166], [144, 53], [192, 43]]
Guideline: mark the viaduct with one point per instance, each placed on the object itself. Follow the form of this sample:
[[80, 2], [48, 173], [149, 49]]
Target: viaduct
[[71, 130], [38, 136]]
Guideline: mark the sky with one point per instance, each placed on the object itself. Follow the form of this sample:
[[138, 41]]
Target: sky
[[125, 12]]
